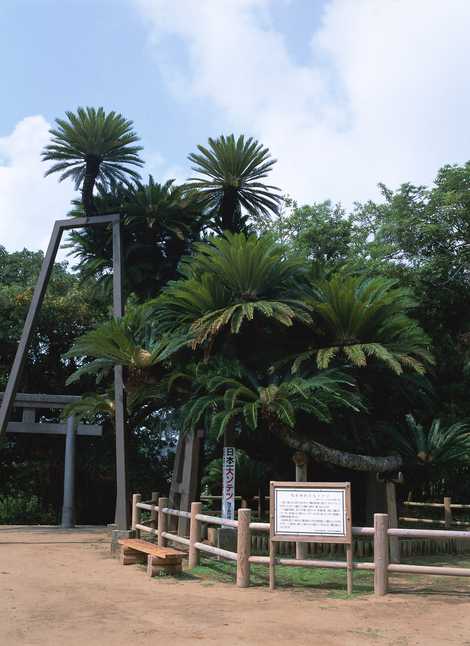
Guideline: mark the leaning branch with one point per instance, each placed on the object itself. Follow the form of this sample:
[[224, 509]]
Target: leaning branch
[[344, 459]]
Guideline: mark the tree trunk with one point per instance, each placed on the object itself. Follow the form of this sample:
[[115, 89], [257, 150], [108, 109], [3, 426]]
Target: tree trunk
[[91, 173], [228, 210], [353, 461]]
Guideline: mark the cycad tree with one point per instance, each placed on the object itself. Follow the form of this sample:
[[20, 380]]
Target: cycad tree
[[364, 319], [92, 145], [438, 445], [229, 282], [160, 223], [229, 178]]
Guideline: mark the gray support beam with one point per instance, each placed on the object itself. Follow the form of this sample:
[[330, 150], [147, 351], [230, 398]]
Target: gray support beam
[[36, 302], [122, 502], [122, 512], [68, 506], [21, 352]]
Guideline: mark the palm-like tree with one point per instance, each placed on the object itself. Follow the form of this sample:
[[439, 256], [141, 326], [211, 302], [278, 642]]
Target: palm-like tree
[[274, 403], [231, 281], [90, 146], [436, 446], [229, 179], [366, 318], [160, 222]]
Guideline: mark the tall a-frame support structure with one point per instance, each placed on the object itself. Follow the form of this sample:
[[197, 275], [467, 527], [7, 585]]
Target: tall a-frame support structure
[[122, 511]]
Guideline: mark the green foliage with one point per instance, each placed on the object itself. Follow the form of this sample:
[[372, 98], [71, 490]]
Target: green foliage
[[320, 232], [363, 318], [91, 133], [244, 400], [229, 173], [227, 283], [159, 224], [437, 445], [24, 510]]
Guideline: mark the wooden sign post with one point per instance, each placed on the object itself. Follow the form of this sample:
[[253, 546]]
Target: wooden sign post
[[311, 512]]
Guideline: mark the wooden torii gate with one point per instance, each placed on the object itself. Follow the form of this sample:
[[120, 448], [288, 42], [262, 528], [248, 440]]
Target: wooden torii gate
[[122, 498], [30, 404]]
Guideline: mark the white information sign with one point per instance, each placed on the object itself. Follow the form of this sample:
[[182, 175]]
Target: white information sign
[[310, 512], [228, 484]]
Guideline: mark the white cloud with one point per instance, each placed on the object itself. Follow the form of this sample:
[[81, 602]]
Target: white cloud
[[383, 97], [29, 203]]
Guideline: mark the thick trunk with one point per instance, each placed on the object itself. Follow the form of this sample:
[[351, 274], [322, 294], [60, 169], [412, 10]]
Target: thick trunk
[[91, 173], [228, 210], [344, 459]]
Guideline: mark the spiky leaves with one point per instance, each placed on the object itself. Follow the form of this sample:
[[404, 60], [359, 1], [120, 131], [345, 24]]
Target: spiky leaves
[[229, 179], [160, 223], [90, 146], [438, 445], [227, 398], [227, 283], [364, 319]]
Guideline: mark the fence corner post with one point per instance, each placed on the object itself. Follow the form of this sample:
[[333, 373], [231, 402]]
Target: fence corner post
[[381, 554], [194, 535], [162, 520], [448, 511], [136, 498], [243, 548]]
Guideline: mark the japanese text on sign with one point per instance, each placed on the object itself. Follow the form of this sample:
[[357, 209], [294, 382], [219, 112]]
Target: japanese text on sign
[[310, 512], [228, 490]]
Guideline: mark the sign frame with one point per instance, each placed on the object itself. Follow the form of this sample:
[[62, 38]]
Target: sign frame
[[345, 487], [275, 538]]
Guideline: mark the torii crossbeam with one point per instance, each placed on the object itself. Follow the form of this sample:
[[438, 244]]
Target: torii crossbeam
[[122, 512]]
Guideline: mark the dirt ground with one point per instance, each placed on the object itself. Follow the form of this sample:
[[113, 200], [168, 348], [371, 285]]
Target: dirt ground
[[63, 587]]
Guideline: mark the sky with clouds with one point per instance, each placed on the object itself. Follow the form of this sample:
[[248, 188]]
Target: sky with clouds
[[345, 93]]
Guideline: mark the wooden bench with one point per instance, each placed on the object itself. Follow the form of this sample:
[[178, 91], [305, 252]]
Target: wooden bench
[[160, 560]]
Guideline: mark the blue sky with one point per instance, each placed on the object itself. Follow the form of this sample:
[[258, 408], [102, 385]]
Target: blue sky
[[346, 93], [59, 54]]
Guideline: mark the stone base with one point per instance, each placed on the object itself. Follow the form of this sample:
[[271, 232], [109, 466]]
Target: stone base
[[116, 535]]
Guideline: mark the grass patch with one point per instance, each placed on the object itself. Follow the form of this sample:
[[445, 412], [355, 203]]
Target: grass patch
[[333, 581]]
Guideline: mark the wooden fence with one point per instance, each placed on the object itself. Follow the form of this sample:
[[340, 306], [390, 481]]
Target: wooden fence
[[447, 506], [160, 514]]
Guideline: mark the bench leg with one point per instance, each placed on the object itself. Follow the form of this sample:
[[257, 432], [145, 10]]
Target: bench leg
[[131, 557], [159, 567]]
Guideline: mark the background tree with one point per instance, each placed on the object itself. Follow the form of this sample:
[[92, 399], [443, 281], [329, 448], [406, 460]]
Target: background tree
[[229, 181], [90, 146]]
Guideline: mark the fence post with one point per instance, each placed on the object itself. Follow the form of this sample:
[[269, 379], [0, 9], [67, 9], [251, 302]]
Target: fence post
[[136, 497], [448, 511], [162, 521], [194, 534], [380, 554], [301, 475], [243, 548], [393, 520], [153, 513]]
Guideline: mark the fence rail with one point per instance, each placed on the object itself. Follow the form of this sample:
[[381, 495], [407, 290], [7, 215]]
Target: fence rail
[[447, 505], [157, 527]]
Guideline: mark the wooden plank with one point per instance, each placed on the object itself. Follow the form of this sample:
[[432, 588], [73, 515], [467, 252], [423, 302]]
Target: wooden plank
[[149, 548]]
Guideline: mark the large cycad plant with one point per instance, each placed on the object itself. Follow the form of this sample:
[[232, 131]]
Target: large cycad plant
[[229, 282], [230, 173], [364, 319], [436, 446], [160, 223], [92, 145]]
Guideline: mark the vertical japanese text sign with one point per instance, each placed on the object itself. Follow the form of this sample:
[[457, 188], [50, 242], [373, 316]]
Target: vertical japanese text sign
[[228, 491]]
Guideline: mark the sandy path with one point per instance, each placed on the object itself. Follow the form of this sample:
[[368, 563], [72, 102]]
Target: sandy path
[[62, 587]]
